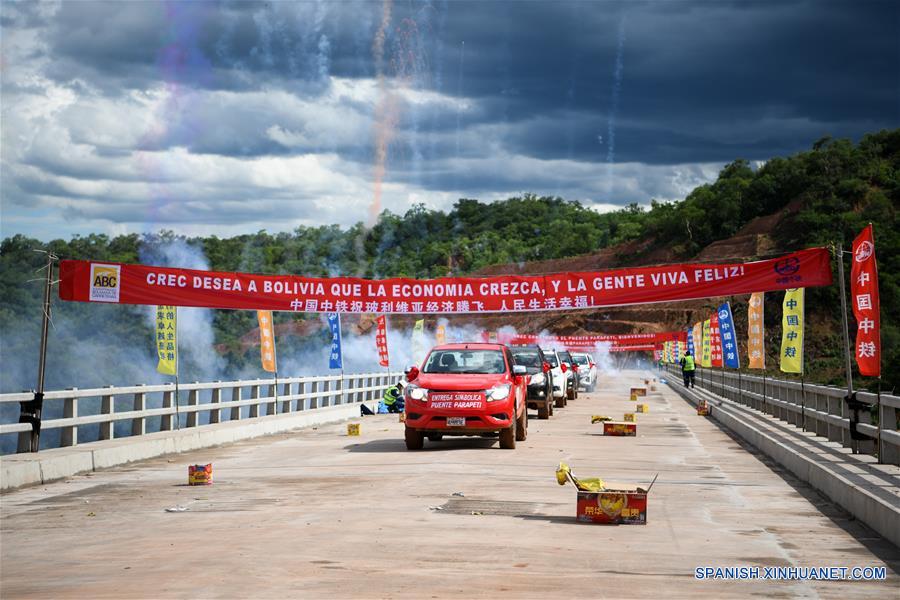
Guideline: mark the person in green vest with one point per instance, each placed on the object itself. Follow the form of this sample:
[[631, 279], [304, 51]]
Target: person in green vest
[[393, 398], [687, 369]]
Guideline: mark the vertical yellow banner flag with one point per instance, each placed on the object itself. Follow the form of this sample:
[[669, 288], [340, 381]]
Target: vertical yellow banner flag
[[418, 342], [756, 349], [167, 339], [706, 345], [697, 334], [440, 336], [792, 331], [267, 341]]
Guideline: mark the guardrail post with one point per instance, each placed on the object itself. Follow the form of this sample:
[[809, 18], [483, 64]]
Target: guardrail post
[[193, 400], [236, 397], [890, 453], [254, 395], [288, 404], [314, 394], [167, 421], [108, 407], [215, 415], [271, 409], [139, 424], [69, 435]]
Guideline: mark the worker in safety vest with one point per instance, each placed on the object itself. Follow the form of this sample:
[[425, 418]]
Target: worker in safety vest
[[688, 369], [393, 398]]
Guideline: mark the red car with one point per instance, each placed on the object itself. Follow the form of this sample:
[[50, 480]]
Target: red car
[[467, 389]]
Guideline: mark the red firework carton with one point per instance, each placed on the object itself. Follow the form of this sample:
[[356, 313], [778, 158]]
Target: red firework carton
[[619, 428], [200, 474], [616, 504], [638, 391]]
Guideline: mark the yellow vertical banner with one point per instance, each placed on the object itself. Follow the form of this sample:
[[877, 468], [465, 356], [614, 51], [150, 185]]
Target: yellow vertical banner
[[418, 342], [697, 334], [792, 331], [167, 339], [705, 345], [756, 331], [267, 341], [440, 336]]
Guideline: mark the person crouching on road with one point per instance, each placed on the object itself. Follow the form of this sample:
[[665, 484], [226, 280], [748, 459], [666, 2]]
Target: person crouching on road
[[688, 369], [393, 397]]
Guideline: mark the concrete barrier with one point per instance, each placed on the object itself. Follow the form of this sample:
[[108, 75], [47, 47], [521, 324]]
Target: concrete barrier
[[860, 499], [19, 470]]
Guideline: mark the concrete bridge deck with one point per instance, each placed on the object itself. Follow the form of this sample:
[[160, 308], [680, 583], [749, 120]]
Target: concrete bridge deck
[[313, 513]]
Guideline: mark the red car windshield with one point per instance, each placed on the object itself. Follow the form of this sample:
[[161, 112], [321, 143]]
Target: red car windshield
[[474, 362]]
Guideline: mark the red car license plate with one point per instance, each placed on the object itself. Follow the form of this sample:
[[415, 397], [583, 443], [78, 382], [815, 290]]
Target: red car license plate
[[456, 421], [457, 400]]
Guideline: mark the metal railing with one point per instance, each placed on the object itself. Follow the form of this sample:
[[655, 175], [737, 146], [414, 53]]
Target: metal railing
[[114, 412], [817, 408]]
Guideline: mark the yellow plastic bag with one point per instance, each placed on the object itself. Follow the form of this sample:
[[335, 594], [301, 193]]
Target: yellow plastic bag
[[590, 484]]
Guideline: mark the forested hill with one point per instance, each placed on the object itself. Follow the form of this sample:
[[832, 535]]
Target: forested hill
[[830, 192]]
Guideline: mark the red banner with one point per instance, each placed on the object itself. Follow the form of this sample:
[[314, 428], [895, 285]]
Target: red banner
[[381, 341], [866, 303], [86, 281], [715, 338]]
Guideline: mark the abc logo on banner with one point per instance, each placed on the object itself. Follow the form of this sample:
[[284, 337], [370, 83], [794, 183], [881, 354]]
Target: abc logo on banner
[[105, 282]]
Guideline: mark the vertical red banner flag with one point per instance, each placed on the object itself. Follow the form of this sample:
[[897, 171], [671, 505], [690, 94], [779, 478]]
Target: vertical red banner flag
[[866, 304], [716, 339], [381, 342]]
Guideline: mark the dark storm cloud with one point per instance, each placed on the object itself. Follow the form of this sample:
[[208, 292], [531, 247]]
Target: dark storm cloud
[[701, 80]]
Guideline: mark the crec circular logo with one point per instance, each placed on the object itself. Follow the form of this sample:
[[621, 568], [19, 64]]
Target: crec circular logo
[[864, 251]]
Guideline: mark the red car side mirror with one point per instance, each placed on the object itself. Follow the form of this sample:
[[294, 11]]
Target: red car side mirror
[[563, 367], [574, 367], [546, 367], [412, 373]]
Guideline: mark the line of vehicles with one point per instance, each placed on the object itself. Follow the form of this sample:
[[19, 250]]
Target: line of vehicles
[[486, 389]]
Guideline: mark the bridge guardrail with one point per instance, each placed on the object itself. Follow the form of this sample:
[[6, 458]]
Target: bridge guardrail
[[127, 411], [817, 408]]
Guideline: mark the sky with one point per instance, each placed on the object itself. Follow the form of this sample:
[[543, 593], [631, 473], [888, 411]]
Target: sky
[[232, 117]]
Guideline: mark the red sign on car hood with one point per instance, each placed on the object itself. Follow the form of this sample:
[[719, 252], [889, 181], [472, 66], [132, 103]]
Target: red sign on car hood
[[456, 400]]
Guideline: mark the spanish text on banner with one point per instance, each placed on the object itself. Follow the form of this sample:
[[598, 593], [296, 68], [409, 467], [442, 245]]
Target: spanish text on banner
[[141, 284]]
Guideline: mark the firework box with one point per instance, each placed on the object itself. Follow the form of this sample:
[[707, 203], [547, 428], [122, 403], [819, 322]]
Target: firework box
[[619, 428], [633, 397], [643, 408], [652, 388], [629, 418], [200, 474], [352, 428], [647, 382], [639, 391], [403, 417], [617, 504], [703, 409]]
